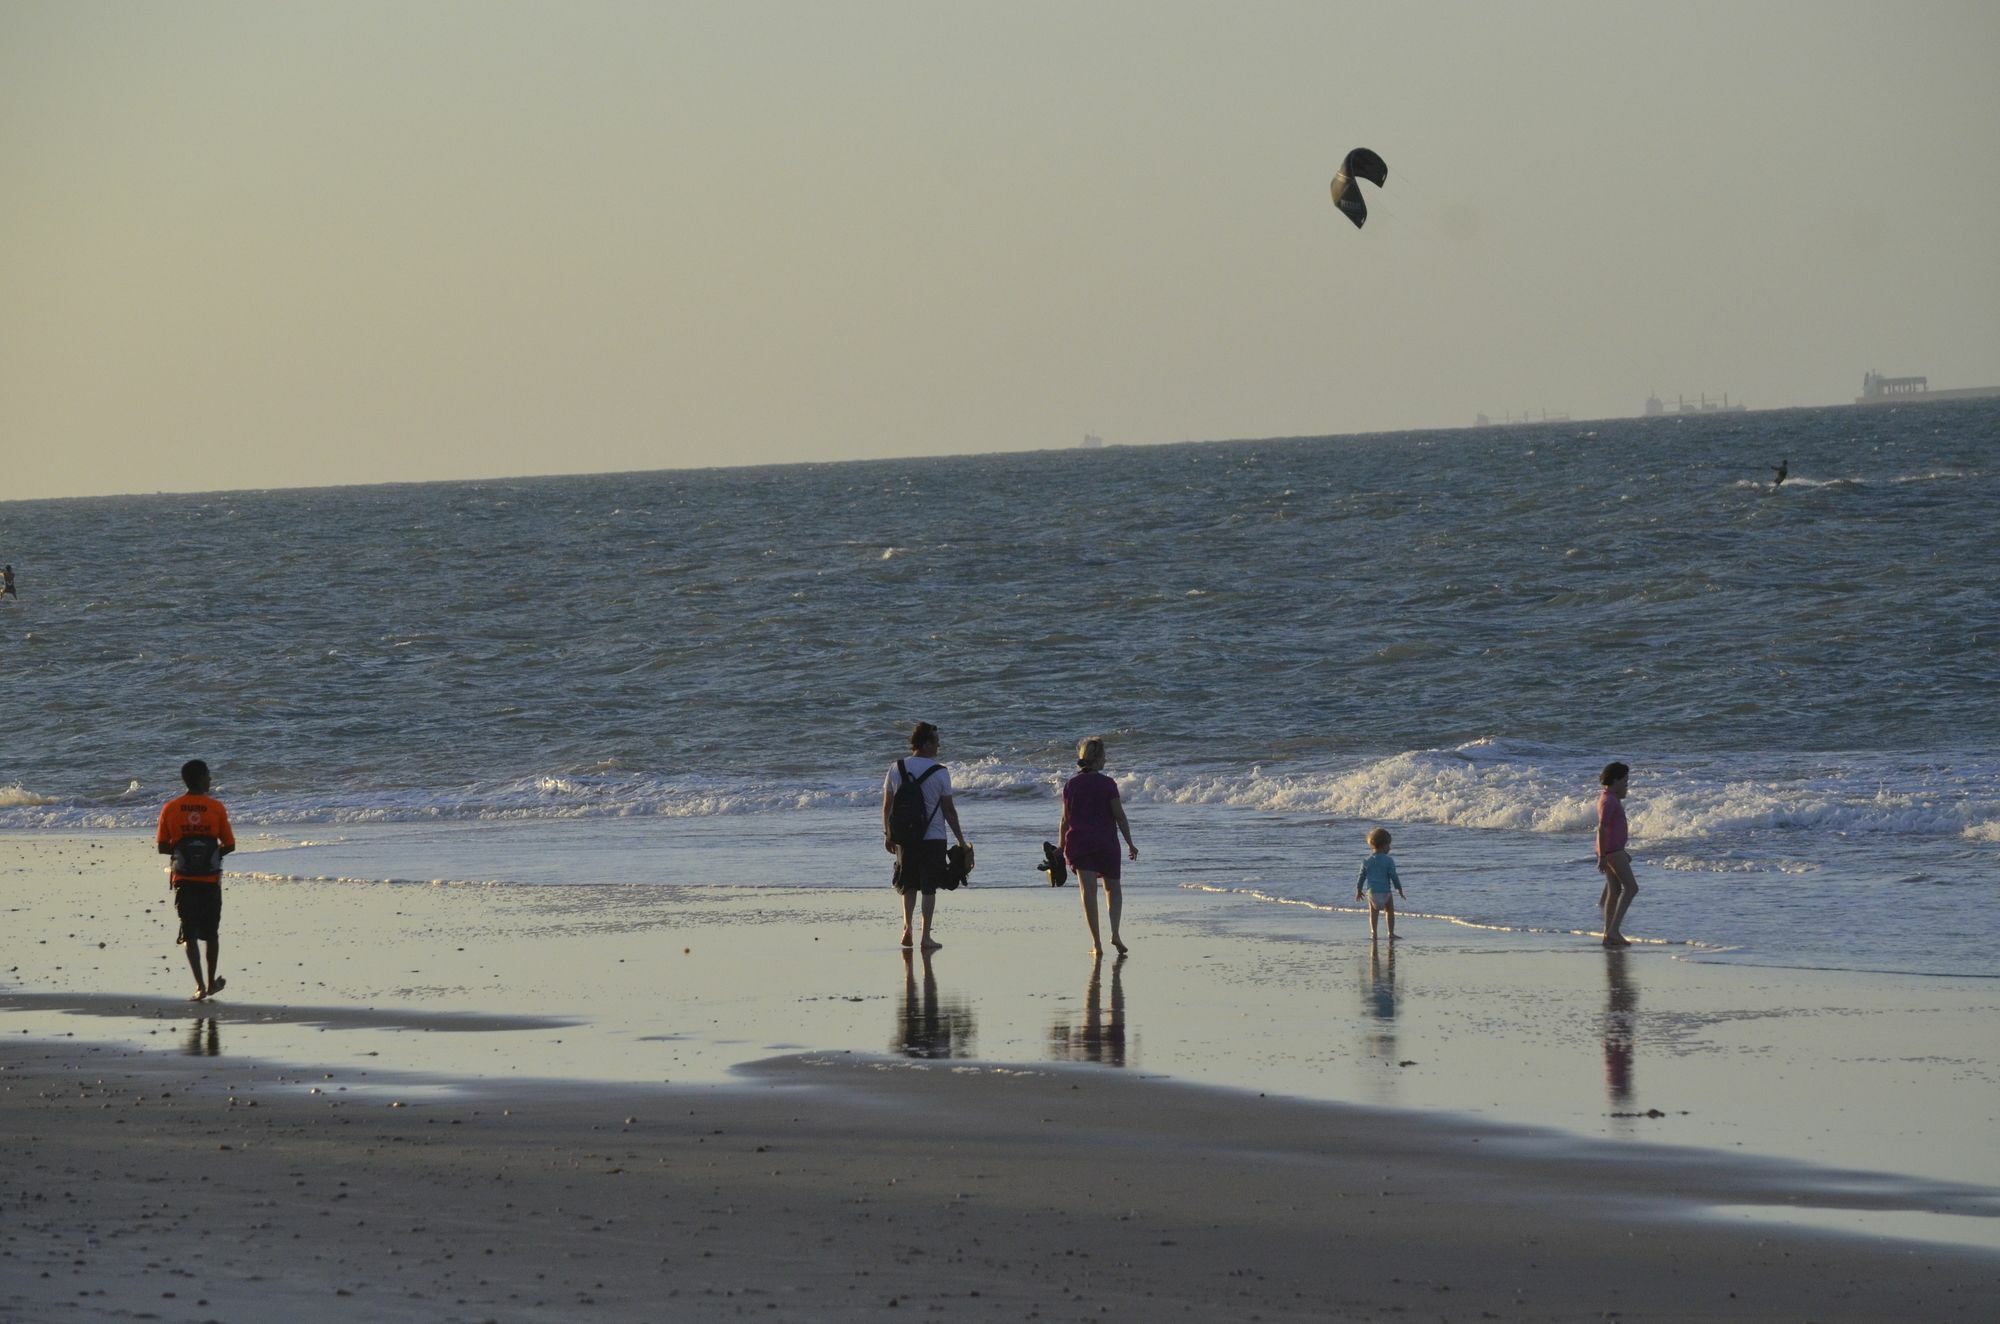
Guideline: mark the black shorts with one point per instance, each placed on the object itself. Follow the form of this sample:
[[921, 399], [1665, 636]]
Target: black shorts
[[200, 907], [921, 868]]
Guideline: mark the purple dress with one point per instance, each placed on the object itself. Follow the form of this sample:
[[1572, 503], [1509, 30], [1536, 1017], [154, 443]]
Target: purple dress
[[1091, 840]]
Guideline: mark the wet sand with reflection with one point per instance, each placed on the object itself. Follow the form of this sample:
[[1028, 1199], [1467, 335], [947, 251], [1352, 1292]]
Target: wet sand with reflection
[[1631, 1073]]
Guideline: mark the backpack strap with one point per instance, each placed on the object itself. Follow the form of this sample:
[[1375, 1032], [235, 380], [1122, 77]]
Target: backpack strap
[[920, 778]]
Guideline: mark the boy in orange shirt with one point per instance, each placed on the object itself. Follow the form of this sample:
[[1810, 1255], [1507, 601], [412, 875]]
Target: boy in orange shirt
[[194, 829]]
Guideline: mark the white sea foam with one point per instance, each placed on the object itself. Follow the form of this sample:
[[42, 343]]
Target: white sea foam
[[1695, 864], [258, 876], [1486, 785]]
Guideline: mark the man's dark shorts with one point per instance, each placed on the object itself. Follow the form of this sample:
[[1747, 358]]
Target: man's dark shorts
[[200, 907], [922, 868]]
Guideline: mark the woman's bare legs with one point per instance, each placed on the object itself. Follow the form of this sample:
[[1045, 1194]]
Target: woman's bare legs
[[1086, 882]]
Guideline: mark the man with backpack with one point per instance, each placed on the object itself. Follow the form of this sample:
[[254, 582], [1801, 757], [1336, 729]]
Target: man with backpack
[[194, 829], [916, 811]]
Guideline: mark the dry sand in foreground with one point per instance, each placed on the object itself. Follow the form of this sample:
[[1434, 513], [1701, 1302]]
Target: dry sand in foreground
[[141, 1186]]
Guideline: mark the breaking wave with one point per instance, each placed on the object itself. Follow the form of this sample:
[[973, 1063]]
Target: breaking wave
[[1487, 785]]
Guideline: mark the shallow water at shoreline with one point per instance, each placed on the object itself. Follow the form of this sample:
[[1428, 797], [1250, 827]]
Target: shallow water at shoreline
[[1285, 642]]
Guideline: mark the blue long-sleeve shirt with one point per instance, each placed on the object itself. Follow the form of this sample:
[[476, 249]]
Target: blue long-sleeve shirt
[[1378, 873]]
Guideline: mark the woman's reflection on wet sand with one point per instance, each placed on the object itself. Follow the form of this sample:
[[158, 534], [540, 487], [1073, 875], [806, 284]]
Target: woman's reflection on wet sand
[[930, 1026], [1621, 1010], [204, 1038], [1100, 1036]]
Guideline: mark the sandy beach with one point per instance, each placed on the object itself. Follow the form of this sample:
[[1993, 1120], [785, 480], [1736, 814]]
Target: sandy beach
[[429, 1102]]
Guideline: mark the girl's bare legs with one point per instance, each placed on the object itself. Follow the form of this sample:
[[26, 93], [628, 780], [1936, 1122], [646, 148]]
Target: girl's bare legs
[[1086, 881], [1619, 889], [1374, 919]]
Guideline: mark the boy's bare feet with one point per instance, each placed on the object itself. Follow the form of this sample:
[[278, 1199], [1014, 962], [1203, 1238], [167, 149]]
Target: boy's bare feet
[[215, 985], [904, 941], [1122, 948], [198, 995], [931, 944]]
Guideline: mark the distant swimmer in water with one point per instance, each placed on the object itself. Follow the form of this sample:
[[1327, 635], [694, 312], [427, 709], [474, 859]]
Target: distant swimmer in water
[[1784, 467], [7, 583]]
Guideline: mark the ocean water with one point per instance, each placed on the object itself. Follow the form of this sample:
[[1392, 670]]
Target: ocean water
[[641, 677]]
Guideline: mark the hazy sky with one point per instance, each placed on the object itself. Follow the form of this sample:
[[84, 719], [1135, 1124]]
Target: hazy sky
[[269, 244]]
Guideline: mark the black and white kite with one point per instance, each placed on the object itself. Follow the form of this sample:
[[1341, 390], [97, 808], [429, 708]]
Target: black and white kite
[[1360, 164]]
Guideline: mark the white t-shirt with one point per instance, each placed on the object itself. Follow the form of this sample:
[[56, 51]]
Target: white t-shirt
[[936, 787]]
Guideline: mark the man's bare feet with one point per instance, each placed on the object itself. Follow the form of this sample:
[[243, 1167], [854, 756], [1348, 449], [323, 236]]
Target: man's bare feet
[[1122, 948], [904, 941], [215, 985], [200, 994], [931, 944]]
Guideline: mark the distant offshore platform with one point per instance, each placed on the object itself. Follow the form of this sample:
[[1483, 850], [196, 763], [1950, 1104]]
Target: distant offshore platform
[[1879, 390]]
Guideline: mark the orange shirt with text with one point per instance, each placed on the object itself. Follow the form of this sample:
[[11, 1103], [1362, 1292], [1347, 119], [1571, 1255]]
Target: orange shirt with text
[[193, 815]]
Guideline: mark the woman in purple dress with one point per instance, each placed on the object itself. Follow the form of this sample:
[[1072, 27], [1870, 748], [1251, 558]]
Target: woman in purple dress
[[1092, 822]]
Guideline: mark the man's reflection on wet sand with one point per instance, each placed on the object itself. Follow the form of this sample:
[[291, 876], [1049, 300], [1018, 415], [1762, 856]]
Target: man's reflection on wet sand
[[930, 1026], [1100, 1036], [1621, 1010], [204, 1038]]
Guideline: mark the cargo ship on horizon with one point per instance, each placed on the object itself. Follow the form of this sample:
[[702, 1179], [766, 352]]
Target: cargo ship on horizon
[[1656, 408], [1879, 390]]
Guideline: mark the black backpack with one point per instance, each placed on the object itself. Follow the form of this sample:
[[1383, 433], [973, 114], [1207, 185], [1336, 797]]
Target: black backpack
[[197, 857], [908, 823]]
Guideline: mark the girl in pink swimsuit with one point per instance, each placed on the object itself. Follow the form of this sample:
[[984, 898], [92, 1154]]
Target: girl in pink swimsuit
[[1613, 860]]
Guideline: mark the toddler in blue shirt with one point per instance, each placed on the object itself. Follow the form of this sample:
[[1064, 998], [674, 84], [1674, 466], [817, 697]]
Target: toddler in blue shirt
[[1378, 875]]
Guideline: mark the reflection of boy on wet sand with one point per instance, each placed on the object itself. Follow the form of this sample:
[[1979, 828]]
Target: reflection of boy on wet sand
[[1380, 995]]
